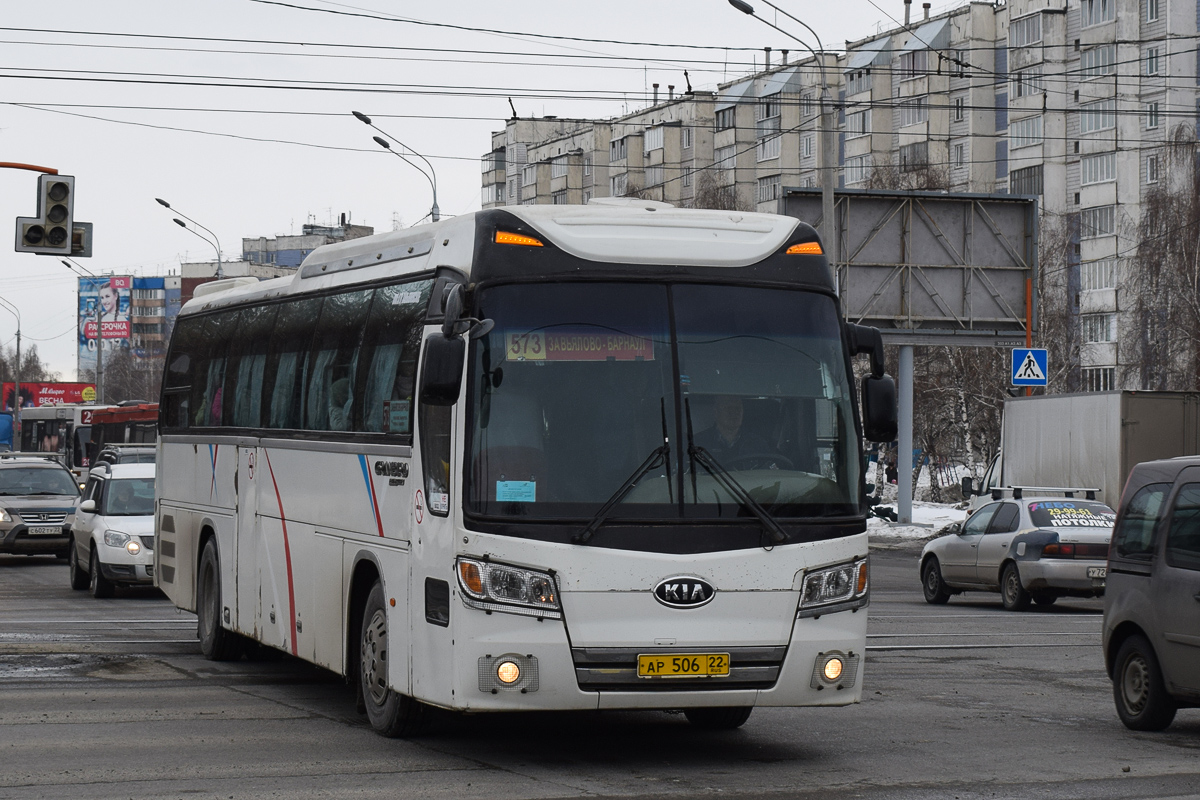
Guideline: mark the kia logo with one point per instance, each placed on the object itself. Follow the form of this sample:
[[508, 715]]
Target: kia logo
[[683, 591]]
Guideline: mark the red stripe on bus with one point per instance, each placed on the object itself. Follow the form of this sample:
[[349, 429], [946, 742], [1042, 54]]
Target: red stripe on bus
[[375, 503], [287, 552]]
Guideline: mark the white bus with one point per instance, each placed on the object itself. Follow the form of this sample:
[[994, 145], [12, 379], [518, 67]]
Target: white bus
[[546, 457]]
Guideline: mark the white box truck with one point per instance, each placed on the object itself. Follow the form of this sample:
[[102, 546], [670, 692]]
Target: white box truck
[[1088, 441]]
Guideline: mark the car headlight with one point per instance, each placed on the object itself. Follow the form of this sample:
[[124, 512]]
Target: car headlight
[[839, 588], [490, 586], [116, 538], [4, 516]]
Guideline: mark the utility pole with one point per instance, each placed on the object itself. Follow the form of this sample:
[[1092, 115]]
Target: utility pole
[[17, 385]]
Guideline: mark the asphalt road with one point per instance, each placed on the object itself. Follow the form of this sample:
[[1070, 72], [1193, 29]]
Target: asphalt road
[[111, 699]]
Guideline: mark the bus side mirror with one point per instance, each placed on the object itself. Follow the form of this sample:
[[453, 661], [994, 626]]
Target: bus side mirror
[[880, 422], [968, 488], [442, 370], [865, 339]]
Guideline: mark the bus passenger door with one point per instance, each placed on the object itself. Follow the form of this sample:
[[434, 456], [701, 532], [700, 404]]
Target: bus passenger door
[[249, 607]]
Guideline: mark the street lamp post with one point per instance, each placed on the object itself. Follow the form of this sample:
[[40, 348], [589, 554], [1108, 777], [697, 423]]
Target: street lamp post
[[99, 337], [434, 212], [9, 307], [215, 242], [829, 177]]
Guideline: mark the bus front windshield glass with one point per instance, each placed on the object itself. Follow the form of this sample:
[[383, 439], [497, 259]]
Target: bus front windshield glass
[[578, 385]]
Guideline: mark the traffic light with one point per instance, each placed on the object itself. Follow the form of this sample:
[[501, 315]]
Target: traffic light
[[51, 231]]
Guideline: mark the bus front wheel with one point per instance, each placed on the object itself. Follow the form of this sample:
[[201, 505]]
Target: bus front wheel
[[216, 643], [391, 714]]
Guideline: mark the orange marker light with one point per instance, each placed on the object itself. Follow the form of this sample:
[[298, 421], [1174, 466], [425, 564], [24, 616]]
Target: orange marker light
[[504, 237], [806, 249], [862, 579], [470, 577]]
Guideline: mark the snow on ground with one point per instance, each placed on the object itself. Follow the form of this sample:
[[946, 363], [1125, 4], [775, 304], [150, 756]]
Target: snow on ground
[[930, 518]]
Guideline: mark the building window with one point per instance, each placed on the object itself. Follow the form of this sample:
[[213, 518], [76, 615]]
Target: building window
[[914, 64], [725, 118], [769, 148], [1152, 60], [617, 149], [512, 189], [559, 198], [1098, 116], [858, 124], [685, 138], [1025, 132], [653, 139], [1152, 169], [493, 161], [959, 63], [1098, 221], [959, 109], [858, 82], [1025, 31], [1098, 379], [558, 167], [587, 196], [807, 106], [654, 174], [858, 169], [914, 156], [806, 147], [529, 175], [768, 189], [686, 178], [1151, 115], [913, 110], [1027, 82], [960, 157], [492, 194], [723, 158], [1100, 274], [1099, 168], [1151, 10], [1094, 12], [768, 107], [1097, 61], [618, 185], [1097, 328], [1027, 181], [587, 165]]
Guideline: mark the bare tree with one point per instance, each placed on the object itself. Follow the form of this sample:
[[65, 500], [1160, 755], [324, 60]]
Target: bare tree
[[712, 192], [128, 378]]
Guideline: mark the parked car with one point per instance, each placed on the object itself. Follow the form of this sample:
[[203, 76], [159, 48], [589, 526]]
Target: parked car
[[1152, 606], [1027, 548], [112, 536], [126, 454], [37, 496]]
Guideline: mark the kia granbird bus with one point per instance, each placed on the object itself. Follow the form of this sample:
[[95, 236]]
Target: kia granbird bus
[[539, 458]]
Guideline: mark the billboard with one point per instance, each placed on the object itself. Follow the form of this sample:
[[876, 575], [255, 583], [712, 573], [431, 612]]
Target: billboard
[[47, 394], [104, 309]]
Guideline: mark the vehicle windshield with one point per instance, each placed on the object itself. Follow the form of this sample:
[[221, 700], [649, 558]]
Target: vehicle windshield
[[129, 497], [1071, 514], [578, 384], [36, 480]]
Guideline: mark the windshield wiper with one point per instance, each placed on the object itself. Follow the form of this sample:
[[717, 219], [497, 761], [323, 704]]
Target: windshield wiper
[[722, 476]]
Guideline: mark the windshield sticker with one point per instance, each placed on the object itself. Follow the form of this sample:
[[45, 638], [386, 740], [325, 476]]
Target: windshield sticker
[[395, 416], [578, 345], [1072, 515], [406, 298], [439, 502], [516, 491]]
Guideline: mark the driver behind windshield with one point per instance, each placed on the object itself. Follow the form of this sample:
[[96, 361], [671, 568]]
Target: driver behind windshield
[[726, 440]]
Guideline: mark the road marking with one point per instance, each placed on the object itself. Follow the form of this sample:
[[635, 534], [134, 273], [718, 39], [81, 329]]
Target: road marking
[[942, 635], [880, 647]]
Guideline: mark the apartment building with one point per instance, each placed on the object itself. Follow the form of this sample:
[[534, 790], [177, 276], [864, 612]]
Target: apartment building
[[1071, 101]]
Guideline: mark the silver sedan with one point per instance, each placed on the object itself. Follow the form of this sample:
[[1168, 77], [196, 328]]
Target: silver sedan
[[1028, 549]]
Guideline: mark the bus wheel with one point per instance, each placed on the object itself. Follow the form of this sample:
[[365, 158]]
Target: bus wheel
[[101, 586], [216, 643], [79, 578], [718, 719], [391, 714]]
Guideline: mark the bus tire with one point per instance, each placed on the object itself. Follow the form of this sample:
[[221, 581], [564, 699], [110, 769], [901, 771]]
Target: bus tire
[[79, 578], [718, 719], [391, 714], [100, 586], [216, 643]]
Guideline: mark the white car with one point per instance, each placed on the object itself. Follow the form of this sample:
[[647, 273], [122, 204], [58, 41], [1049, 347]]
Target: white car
[[1027, 548], [112, 536]]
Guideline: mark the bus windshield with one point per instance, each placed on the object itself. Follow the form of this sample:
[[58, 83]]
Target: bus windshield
[[577, 385]]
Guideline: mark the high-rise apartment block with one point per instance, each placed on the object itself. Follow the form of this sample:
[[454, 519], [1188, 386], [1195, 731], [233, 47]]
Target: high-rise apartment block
[[1072, 101]]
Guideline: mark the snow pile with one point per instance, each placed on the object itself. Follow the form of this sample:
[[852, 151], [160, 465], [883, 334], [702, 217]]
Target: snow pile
[[930, 518]]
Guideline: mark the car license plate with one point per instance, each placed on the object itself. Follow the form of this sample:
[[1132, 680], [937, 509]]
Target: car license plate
[[45, 530], [683, 665], [1097, 572]]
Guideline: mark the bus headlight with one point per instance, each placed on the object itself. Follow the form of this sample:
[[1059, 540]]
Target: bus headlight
[[116, 538], [490, 586], [839, 588]]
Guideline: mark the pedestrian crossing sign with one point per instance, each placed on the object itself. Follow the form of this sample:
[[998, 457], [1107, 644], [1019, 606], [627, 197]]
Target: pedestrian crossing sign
[[1028, 366]]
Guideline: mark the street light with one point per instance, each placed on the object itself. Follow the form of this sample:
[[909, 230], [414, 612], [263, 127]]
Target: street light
[[828, 229], [10, 308], [69, 264], [434, 212], [217, 245]]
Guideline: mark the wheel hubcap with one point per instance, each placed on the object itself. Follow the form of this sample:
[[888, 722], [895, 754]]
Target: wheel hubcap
[[1010, 587], [374, 657], [1135, 684], [931, 580]]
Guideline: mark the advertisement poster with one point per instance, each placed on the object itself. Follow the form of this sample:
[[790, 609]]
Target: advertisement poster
[[47, 394], [104, 309]]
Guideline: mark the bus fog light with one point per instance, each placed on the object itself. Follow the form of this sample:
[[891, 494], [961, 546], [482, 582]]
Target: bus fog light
[[508, 672], [835, 670]]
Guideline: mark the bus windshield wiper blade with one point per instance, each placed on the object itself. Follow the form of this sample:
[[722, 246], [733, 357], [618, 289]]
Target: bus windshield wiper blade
[[658, 455], [698, 453]]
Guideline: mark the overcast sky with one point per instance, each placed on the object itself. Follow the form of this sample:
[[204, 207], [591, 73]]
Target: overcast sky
[[131, 123]]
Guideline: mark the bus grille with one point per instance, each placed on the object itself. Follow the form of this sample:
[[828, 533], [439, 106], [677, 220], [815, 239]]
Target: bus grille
[[614, 669]]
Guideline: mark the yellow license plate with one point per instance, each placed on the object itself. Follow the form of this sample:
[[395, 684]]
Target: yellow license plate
[[683, 665]]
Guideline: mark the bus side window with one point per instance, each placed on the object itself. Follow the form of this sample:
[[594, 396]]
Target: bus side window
[[177, 379], [286, 361], [434, 422], [329, 402], [247, 363], [208, 372], [389, 354]]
